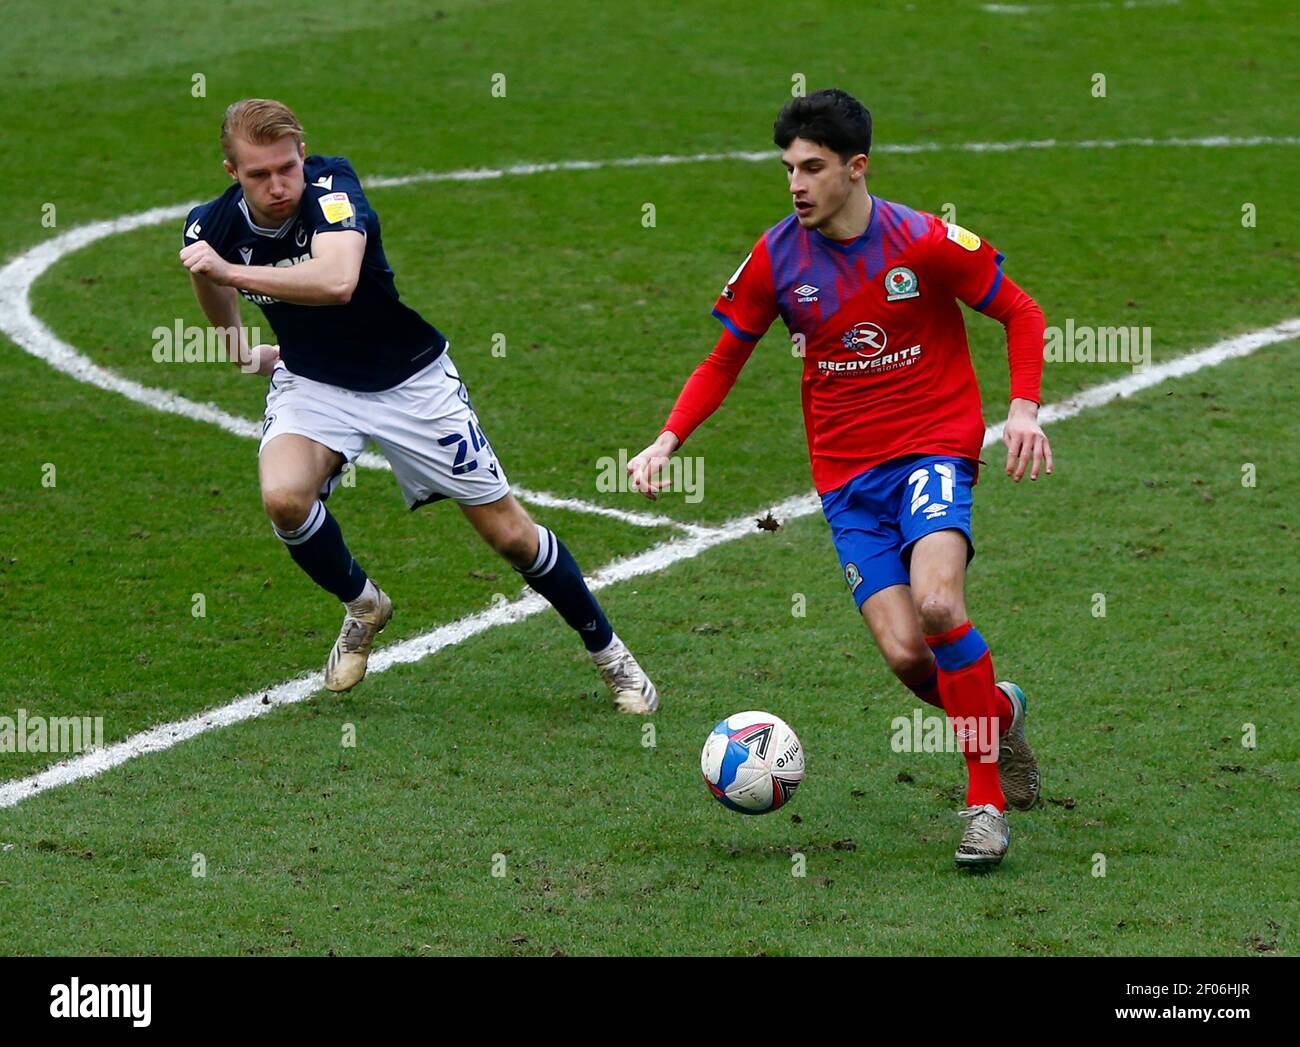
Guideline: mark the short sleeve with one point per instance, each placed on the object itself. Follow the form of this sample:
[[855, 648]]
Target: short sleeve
[[747, 305], [192, 231], [337, 201], [969, 266]]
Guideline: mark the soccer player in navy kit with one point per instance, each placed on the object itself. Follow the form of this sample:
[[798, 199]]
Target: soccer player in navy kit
[[295, 235]]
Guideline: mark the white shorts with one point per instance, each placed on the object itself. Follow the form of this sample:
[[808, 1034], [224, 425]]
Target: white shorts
[[425, 427]]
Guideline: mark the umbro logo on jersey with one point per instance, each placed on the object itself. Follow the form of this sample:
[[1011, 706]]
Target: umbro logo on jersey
[[806, 293], [193, 231], [934, 510], [246, 253], [325, 182]]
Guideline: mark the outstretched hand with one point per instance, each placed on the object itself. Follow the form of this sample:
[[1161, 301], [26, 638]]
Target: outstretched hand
[[646, 469], [1026, 442]]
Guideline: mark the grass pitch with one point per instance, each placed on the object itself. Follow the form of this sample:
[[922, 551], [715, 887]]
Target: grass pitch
[[499, 755]]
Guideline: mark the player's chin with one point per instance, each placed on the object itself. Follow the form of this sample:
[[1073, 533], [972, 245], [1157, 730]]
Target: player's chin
[[807, 217]]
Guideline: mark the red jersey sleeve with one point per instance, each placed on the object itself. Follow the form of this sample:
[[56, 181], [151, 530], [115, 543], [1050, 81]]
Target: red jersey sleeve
[[747, 305], [971, 269], [708, 386], [967, 265]]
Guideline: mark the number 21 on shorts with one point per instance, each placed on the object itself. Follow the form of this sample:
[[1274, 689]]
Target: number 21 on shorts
[[920, 479]]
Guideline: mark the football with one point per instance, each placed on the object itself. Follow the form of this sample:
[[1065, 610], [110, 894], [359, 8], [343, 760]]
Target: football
[[752, 762]]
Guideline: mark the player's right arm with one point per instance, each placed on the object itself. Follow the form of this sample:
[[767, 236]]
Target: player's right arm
[[746, 307], [221, 306]]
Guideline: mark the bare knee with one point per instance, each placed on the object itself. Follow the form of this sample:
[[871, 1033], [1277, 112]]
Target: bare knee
[[287, 507], [940, 611]]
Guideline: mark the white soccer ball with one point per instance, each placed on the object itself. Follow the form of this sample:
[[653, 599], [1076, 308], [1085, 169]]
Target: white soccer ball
[[752, 762]]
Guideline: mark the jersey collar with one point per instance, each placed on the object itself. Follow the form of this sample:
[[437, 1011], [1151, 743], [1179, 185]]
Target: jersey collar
[[274, 234], [871, 234]]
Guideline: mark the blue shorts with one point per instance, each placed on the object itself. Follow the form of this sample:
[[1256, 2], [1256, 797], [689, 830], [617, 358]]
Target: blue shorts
[[879, 515]]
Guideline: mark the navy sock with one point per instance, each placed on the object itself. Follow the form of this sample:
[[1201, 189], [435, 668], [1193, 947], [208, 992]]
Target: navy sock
[[317, 546], [556, 575]]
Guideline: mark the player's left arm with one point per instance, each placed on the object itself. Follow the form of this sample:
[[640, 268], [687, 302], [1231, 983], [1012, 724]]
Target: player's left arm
[[328, 277], [972, 268], [1027, 444]]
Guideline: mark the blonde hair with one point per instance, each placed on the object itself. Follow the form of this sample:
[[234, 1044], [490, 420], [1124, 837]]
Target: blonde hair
[[258, 120]]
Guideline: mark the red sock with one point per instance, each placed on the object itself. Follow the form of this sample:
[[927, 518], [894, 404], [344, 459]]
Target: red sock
[[927, 688], [971, 702]]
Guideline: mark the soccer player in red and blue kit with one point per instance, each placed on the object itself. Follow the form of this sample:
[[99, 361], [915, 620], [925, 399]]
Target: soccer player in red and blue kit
[[870, 289]]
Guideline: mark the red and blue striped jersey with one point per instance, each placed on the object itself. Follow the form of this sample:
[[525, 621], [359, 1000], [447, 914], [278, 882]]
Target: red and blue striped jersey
[[887, 371]]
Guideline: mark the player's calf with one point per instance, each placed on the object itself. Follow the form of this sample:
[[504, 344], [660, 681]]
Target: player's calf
[[916, 670], [892, 621], [550, 569]]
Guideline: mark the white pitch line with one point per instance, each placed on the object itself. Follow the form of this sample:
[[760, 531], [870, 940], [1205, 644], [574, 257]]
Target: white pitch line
[[257, 703], [653, 560], [20, 324], [17, 277], [1100, 5], [628, 516], [481, 174]]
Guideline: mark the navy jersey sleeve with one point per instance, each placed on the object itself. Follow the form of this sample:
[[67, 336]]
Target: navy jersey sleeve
[[335, 199], [210, 222], [196, 223]]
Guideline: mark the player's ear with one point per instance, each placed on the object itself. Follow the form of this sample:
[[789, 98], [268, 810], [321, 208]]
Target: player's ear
[[859, 166], [302, 150], [230, 168]]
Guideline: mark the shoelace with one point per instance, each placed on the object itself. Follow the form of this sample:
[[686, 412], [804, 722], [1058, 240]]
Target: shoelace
[[352, 627], [982, 832], [623, 674]]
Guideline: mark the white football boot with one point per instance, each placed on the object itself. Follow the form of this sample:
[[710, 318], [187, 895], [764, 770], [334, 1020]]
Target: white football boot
[[1017, 767], [366, 616], [986, 838], [633, 690]]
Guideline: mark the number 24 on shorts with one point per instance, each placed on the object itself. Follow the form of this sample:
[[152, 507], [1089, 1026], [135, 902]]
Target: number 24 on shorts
[[459, 466]]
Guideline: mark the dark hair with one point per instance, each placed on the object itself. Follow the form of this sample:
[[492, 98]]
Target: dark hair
[[831, 118]]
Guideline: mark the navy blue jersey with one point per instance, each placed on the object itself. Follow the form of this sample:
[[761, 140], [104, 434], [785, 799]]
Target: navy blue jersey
[[373, 342]]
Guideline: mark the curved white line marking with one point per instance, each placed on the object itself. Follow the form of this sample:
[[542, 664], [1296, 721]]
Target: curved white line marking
[[19, 322], [29, 333], [651, 561]]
